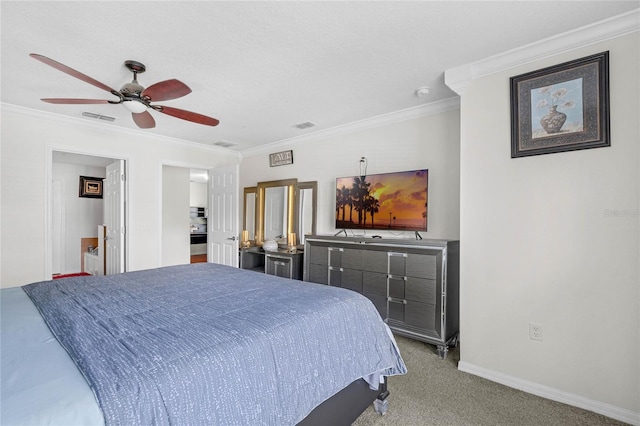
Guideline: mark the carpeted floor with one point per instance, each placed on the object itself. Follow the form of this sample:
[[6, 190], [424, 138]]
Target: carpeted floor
[[435, 392]]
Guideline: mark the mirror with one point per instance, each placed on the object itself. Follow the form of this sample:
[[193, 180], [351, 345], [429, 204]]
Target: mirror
[[250, 202], [274, 209], [306, 202], [275, 213]]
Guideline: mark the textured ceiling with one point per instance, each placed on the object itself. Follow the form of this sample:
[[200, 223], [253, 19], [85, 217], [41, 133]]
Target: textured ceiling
[[263, 67]]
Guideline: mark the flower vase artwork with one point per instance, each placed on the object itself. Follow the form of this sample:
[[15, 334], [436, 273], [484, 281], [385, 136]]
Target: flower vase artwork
[[554, 120], [553, 99]]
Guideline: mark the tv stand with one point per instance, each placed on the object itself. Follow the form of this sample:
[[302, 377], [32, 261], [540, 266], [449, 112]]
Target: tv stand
[[413, 283], [340, 232], [418, 236]]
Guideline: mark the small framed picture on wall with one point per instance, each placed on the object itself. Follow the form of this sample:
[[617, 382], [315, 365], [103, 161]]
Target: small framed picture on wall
[[561, 108], [90, 187]]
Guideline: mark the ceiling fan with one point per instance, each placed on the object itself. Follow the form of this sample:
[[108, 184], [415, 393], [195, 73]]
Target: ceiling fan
[[133, 96]]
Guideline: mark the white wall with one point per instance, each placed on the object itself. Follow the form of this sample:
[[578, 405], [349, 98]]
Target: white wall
[[538, 244], [28, 138], [81, 215], [430, 142], [198, 194], [175, 216]]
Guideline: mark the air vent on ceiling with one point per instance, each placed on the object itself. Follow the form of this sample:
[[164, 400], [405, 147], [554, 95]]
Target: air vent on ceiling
[[305, 125], [98, 116], [224, 144]]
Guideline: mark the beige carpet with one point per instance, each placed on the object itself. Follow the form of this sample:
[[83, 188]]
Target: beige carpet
[[435, 392]]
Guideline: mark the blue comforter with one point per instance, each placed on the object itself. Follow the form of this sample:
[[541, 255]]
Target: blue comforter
[[210, 344]]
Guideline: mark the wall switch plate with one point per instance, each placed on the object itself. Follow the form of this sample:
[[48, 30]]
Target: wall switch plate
[[535, 331]]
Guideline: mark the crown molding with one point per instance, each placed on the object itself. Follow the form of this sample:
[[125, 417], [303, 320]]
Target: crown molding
[[459, 78], [431, 108], [104, 127]]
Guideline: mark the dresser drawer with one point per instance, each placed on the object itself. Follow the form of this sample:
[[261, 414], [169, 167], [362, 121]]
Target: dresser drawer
[[415, 289]]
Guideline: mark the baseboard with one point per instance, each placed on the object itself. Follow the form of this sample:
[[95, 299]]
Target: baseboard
[[608, 410]]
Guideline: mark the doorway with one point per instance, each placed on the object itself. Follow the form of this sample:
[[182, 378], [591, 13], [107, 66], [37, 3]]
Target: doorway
[[184, 215], [77, 219], [219, 205], [198, 214]]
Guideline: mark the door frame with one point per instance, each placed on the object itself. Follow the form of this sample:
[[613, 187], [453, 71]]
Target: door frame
[[48, 200], [62, 229]]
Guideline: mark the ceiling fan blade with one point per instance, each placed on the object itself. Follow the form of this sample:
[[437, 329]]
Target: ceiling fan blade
[[144, 120], [71, 72], [187, 115], [166, 90], [74, 101]]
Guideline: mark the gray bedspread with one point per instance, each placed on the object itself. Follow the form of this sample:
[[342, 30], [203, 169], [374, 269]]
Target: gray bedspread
[[216, 345]]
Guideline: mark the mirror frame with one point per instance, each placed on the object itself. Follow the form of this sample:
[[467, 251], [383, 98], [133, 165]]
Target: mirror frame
[[314, 203], [250, 190], [260, 203]]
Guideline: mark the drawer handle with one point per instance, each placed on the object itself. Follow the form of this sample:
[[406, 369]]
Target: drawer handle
[[392, 277], [391, 254], [273, 256]]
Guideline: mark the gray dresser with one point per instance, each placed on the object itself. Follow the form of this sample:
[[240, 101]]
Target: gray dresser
[[413, 283]]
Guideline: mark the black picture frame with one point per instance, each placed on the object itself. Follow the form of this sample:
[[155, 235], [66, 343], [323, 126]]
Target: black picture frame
[[90, 187], [577, 90]]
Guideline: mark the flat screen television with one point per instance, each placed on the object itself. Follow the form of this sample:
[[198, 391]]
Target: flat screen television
[[388, 201]]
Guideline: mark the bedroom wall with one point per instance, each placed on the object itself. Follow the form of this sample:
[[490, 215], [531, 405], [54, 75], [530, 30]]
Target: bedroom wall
[[28, 136], [430, 141], [82, 215], [553, 240], [198, 194]]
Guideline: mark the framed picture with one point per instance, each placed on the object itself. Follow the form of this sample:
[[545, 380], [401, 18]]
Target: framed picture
[[281, 158], [90, 187], [561, 108]]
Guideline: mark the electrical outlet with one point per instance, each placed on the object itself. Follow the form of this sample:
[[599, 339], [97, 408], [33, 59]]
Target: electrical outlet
[[535, 331]]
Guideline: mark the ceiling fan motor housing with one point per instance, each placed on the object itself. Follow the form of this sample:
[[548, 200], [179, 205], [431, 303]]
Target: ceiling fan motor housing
[[134, 87]]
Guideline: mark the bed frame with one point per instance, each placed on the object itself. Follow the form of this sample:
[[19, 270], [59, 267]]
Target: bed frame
[[347, 405]]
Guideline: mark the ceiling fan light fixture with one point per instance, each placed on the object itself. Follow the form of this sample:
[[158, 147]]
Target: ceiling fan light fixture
[[135, 106]]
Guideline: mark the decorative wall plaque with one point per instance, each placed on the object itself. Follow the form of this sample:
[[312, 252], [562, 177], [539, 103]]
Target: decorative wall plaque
[[281, 158]]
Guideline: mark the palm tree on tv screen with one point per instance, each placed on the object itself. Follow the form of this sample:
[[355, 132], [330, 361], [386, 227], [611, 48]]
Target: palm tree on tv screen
[[372, 206], [360, 192]]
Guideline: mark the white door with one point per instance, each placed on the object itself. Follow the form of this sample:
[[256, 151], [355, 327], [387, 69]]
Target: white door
[[114, 217], [222, 222]]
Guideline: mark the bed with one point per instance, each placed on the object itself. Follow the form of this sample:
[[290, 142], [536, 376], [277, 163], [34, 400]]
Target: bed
[[191, 344]]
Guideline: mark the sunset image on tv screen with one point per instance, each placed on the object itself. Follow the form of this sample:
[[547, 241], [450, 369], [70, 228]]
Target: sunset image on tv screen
[[392, 201]]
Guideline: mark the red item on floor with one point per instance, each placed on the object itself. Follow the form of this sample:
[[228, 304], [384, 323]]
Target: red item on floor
[[79, 274]]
